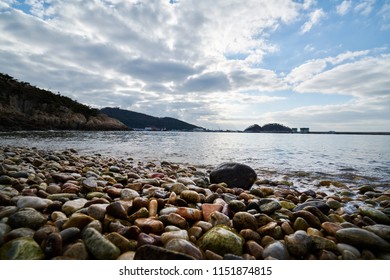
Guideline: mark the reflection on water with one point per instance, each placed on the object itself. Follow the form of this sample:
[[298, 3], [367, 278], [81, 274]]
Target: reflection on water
[[347, 156]]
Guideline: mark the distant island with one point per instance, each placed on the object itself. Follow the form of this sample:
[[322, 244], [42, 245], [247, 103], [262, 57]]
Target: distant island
[[269, 128]]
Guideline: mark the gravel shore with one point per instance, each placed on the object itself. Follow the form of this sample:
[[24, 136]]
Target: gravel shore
[[66, 205]]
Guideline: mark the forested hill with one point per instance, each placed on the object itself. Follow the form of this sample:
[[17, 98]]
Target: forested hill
[[141, 121], [26, 107]]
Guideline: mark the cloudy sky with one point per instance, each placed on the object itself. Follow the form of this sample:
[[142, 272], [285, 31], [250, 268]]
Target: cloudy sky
[[222, 64]]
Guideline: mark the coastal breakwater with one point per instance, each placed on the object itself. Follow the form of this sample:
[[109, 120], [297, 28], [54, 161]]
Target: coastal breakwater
[[65, 205]]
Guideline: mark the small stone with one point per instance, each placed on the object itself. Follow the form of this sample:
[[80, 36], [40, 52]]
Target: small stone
[[218, 218], [152, 252], [327, 255], [316, 203], [6, 180], [237, 205], [380, 230], [76, 251], [322, 243], [153, 208], [190, 196], [90, 184], [185, 247], [33, 202], [100, 247], [129, 194], [235, 175], [286, 228], [117, 210], [254, 249], [97, 211], [269, 206], [276, 250], [208, 209], [300, 224], [341, 247], [298, 244], [287, 205], [243, 220], [221, 240], [121, 242], [375, 214], [190, 214], [19, 232], [23, 248], [177, 220], [249, 234], [180, 234], [331, 228], [127, 256], [312, 220], [70, 234], [178, 188], [362, 238], [149, 225], [27, 217], [72, 206], [53, 245], [141, 213], [78, 220]]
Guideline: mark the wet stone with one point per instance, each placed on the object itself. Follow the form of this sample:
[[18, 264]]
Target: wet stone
[[269, 206], [218, 218], [185, 247], [121, 242], [190, 214], [76, 251], [254, 249], [180, 234], [300, 224], [128, 194], [97, 211], [33, 202], [177, 220], [23, 248], [276, 250], [116, 209], [362, 238], [190, 196], [221, 240], [149, 225], [78, 220], [375, 214], [100, 247], [72, 206], [152, 252], [27, 217], [244, 220], [19, 232], [341, 247], [298, 244], [235, 175], [316, 203], [380, 230], [208, 209]]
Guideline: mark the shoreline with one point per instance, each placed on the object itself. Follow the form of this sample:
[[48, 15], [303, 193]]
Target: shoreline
[[159, 210]]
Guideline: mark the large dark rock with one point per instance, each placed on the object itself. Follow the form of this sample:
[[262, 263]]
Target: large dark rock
[[235, 175]]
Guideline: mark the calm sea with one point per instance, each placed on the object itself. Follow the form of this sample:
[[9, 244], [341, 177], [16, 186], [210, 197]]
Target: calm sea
[[344, 157]]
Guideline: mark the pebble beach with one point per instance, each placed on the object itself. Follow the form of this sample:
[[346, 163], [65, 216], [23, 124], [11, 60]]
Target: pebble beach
[[68, 205]]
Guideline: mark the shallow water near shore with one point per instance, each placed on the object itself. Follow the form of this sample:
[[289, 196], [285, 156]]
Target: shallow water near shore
[[347, 158]]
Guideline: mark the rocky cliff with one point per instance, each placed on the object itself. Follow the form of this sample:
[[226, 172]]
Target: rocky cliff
[[25, 107]]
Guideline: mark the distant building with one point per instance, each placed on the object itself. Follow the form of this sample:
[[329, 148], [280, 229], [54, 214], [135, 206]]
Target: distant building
[[304, 130], [294, 130]]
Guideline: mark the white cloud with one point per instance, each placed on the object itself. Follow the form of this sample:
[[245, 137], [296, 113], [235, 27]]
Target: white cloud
[[315, 18], [365, 7], [344, 7], [364, 78]]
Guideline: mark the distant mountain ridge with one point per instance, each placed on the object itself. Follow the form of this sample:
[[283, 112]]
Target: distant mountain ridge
[[136, 120]]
